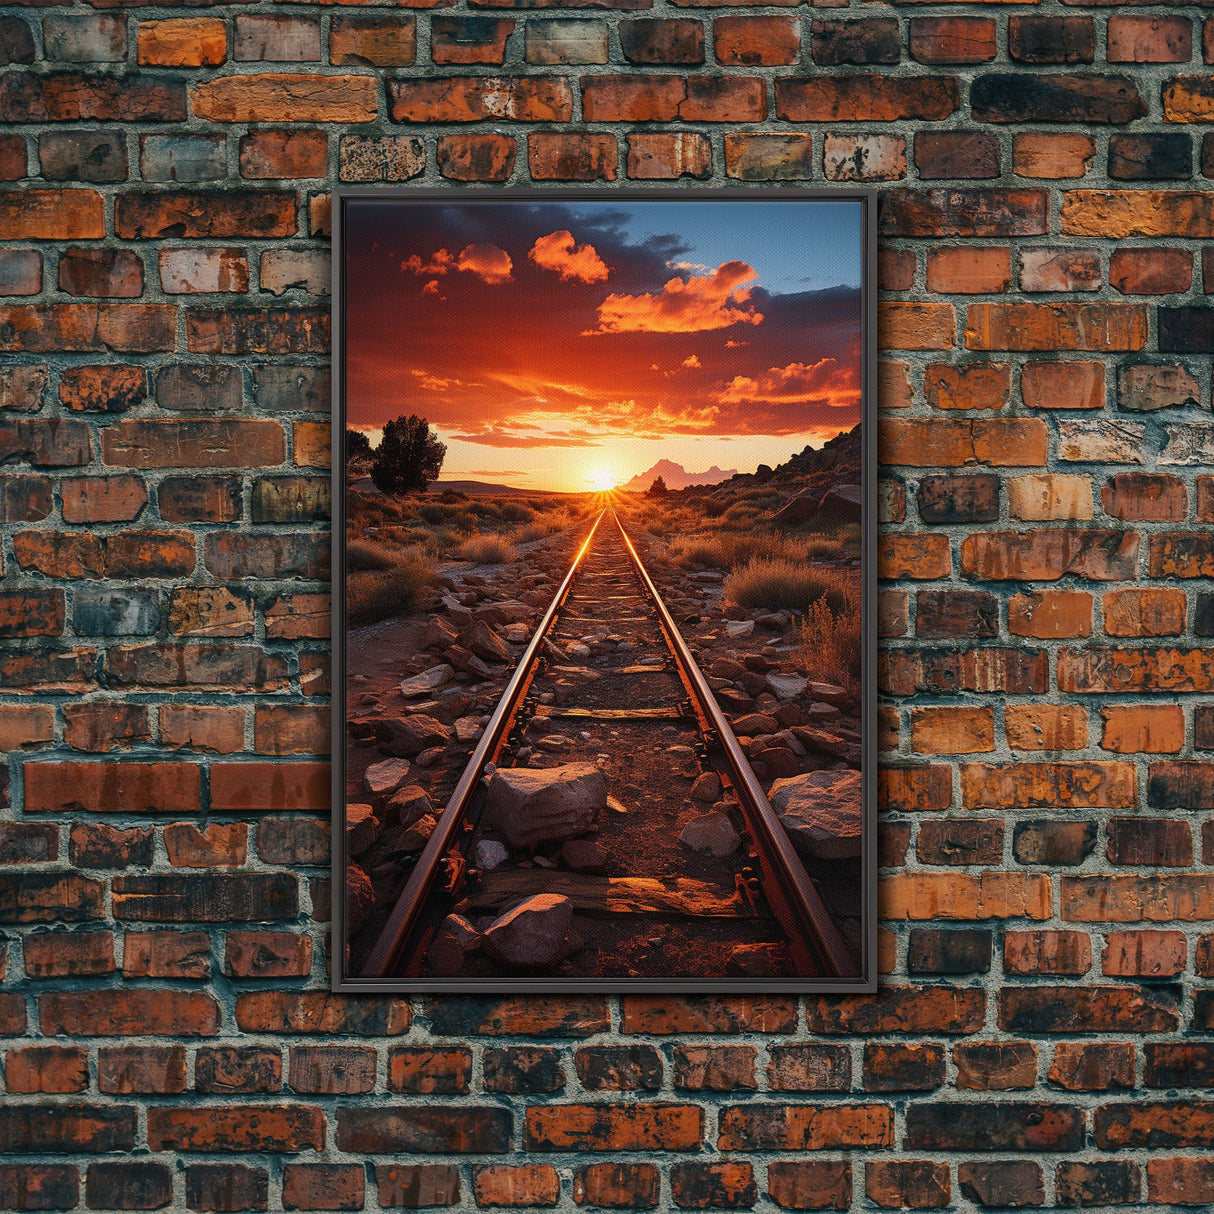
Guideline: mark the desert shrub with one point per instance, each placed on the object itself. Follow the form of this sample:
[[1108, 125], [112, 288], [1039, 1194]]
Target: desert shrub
[[488, 550], [449, 496], [367, 555], [374, 595], [831, 638], [776, 582], [714, 507], [516, 512]]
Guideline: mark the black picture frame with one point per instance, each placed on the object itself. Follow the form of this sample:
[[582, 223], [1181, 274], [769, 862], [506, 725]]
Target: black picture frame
[[359, 302]]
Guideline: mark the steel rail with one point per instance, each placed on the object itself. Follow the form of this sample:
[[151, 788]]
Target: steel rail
[[405, 914], [812, 934]]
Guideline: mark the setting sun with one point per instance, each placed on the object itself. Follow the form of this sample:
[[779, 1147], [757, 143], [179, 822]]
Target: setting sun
[[602, 480]]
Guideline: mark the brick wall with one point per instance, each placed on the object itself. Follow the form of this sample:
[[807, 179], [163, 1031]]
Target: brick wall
[[1042, 1034]]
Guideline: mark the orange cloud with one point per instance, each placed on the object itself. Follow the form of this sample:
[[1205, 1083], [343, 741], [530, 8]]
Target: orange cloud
[[489, 263], [691, 361], [558, 251], [713, 301], [440, 262], [823, 382]]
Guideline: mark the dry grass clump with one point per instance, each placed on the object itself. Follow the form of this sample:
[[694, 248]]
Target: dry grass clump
[[488, 550], [776, 582], [379, 594], [725, 550], [831, 639], [368, 555]]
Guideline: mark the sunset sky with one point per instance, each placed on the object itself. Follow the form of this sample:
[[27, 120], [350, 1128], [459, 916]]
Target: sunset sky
[[567, 345]]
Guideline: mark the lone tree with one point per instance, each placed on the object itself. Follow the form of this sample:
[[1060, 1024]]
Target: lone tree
[[408, 457], [358, 445], [657, 489]]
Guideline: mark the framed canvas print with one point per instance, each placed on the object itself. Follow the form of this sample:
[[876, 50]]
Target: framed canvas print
[[604, 601]]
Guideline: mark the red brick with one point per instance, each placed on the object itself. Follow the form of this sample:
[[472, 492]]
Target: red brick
[[560, 156], [269, 786], [270, 1011], [614, 1127], [103, 499], [46, 1068], [219, 1128], [1046, 952], [1046, 555], [1129, 613], [714, 1068], [202, 728], [1075, 785], [1121, 213], [285, 98], [102, 725], [422, 1129], [1063, 385], [952, 730], [120, 1013], [522, 1185], [1092, 1066], [1051, 157], [898, 1009], [964, 270], [916, 326], [332, 1070], [1170, 1123], [1049, 614], [809, 1068], [257, 331], [230, 1069], [150, 1069], [903, 1068], [424, 1184], [617, 1185], [1143, 954], [220, 845], [319, 1186], [1151, 271], [699, 1014], [1149, 39], [1103, 327], [956, 154], [907, 555], [765, 157], [375, 41], [992, 1066], [936, 443], [487, 157], [726, 1185], [205, 213], [266, 954], [648, 41], [666, 156], [1157, 897], [783, 1127], [902, 1184], [226, 1187], [111, 787], [1143, 497], [202, 443], [88, 328], [1179, 1181], [278, 154], [751, 41], [427, 1071], [182, 42], [1143, 728], [914, 788], [865, 98], [971, 386], [51, 215], [952, 39], [824, 1184], [478, 98]]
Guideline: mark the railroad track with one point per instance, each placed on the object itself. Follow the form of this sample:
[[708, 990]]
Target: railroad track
[[607, 679]]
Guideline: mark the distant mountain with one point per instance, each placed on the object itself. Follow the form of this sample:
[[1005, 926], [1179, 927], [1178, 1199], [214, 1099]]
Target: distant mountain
[[677, 477]]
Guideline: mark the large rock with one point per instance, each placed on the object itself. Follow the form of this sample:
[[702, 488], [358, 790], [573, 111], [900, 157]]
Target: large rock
[[485, 643], [787, 686], [533, 935], [437, 634], [712, 833], [362, 828], [536, 805], [380, 779], [426, 682], [410, 804], [406, 737], [822, 812], [360, 898]]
